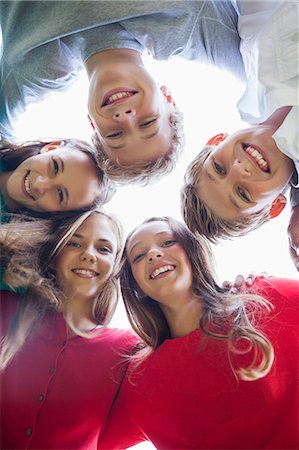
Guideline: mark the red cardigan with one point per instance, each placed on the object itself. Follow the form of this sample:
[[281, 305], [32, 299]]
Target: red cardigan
[[182, 398], [57, 391]]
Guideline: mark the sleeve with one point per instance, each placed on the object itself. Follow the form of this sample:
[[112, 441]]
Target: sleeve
[[283, 293], [121, 430], [294, 197], [8, 307]]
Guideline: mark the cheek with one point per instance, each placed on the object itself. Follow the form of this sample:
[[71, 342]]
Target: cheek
[[137, 274]]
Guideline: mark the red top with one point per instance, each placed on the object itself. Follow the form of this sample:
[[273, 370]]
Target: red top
[[57, 391], [183, 397]]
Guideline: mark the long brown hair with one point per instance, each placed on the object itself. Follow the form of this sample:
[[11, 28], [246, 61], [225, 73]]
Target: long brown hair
[[225, 316], [28, 253]]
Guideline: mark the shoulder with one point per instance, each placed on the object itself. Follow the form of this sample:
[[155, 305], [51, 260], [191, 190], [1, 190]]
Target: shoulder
[[123, 339], [273, 288], [283, 295]]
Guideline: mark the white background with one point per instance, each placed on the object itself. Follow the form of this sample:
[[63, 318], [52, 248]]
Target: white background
[[207, 98]]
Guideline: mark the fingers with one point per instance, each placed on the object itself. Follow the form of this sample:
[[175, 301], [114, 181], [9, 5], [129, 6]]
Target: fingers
[[240, 281]]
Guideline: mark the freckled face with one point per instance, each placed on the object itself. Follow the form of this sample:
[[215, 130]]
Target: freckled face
[[245, 173], [86, 262], [58, 180], [159, 263]]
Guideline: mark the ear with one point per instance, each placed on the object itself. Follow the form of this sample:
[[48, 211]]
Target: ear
[[215, 140], [167, 95], [90, 121], [277, 206], [51, 146]]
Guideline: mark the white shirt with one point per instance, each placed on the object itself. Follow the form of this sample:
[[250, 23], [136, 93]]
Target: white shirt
[[269, 32]]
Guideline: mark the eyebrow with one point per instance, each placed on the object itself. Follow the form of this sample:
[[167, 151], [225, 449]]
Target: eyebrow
[[149, 136], [61, 163], [79, 236]]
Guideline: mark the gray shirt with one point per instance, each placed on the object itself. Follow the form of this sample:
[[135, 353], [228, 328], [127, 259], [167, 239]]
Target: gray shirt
[[45, 43]]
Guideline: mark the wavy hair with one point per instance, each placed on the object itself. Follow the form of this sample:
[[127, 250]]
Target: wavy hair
[[12, 155], [225, 316], [145, 172], [198, 216], [28, 254]]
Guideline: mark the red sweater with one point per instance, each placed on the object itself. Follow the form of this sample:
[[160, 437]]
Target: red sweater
[[57, 391], [182, 398]]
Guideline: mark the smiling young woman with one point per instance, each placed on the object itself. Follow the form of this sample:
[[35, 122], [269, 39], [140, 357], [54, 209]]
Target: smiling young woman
[[40, 177], [61, 365], [218, 369]]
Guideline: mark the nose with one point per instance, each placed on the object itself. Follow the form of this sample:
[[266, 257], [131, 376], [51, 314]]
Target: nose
[[88, 255], [42, 184], [127, 114], [153, 255], [242, 166]]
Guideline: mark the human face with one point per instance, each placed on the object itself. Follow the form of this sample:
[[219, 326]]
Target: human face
[[58, 179], [159, 263], [86, 262], [244, 174], [130, 114]]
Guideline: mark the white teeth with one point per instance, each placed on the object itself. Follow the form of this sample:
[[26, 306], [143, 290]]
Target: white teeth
[[117, 96], [85, 272], [257, 156], [27, 186], [161, 270]]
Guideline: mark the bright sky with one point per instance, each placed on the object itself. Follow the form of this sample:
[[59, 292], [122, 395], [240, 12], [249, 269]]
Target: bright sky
[[207, 98]]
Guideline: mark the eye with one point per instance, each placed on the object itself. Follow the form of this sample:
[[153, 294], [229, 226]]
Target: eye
[[169, 242], [55, 167], [73, 244], [148, 123], [243, 195], [138, 257], [218, 168], [105, 250], [60, 195], [114, 134]]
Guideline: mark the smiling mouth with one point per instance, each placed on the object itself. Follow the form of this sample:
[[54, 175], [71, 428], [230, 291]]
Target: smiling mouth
[[85, 273], [116, 96], [256, 155], [26, 186], [161, 270]]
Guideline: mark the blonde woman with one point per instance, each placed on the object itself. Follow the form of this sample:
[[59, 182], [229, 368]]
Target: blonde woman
[[218, 370], [61, 366]]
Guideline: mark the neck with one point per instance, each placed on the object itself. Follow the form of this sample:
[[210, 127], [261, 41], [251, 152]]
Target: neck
[[78, 311], [114, 56], [277, 118], [184, 317]]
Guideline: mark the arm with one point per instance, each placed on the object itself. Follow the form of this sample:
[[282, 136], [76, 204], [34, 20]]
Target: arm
[[122, 430], [293, 233]]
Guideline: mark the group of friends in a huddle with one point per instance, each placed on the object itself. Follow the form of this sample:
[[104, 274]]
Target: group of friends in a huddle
[[204, 366]]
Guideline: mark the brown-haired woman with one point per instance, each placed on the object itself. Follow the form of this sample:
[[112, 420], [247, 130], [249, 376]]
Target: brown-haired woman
[[218, 369]]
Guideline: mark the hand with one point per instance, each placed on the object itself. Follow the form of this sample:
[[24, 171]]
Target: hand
[[293, 233], [240, 282]]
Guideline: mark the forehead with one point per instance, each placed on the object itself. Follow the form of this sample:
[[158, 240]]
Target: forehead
[[98, 226], [147, 231]]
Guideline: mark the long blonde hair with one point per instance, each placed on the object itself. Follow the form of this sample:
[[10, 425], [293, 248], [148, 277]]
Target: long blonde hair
[[28, 254], [225, 316]]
